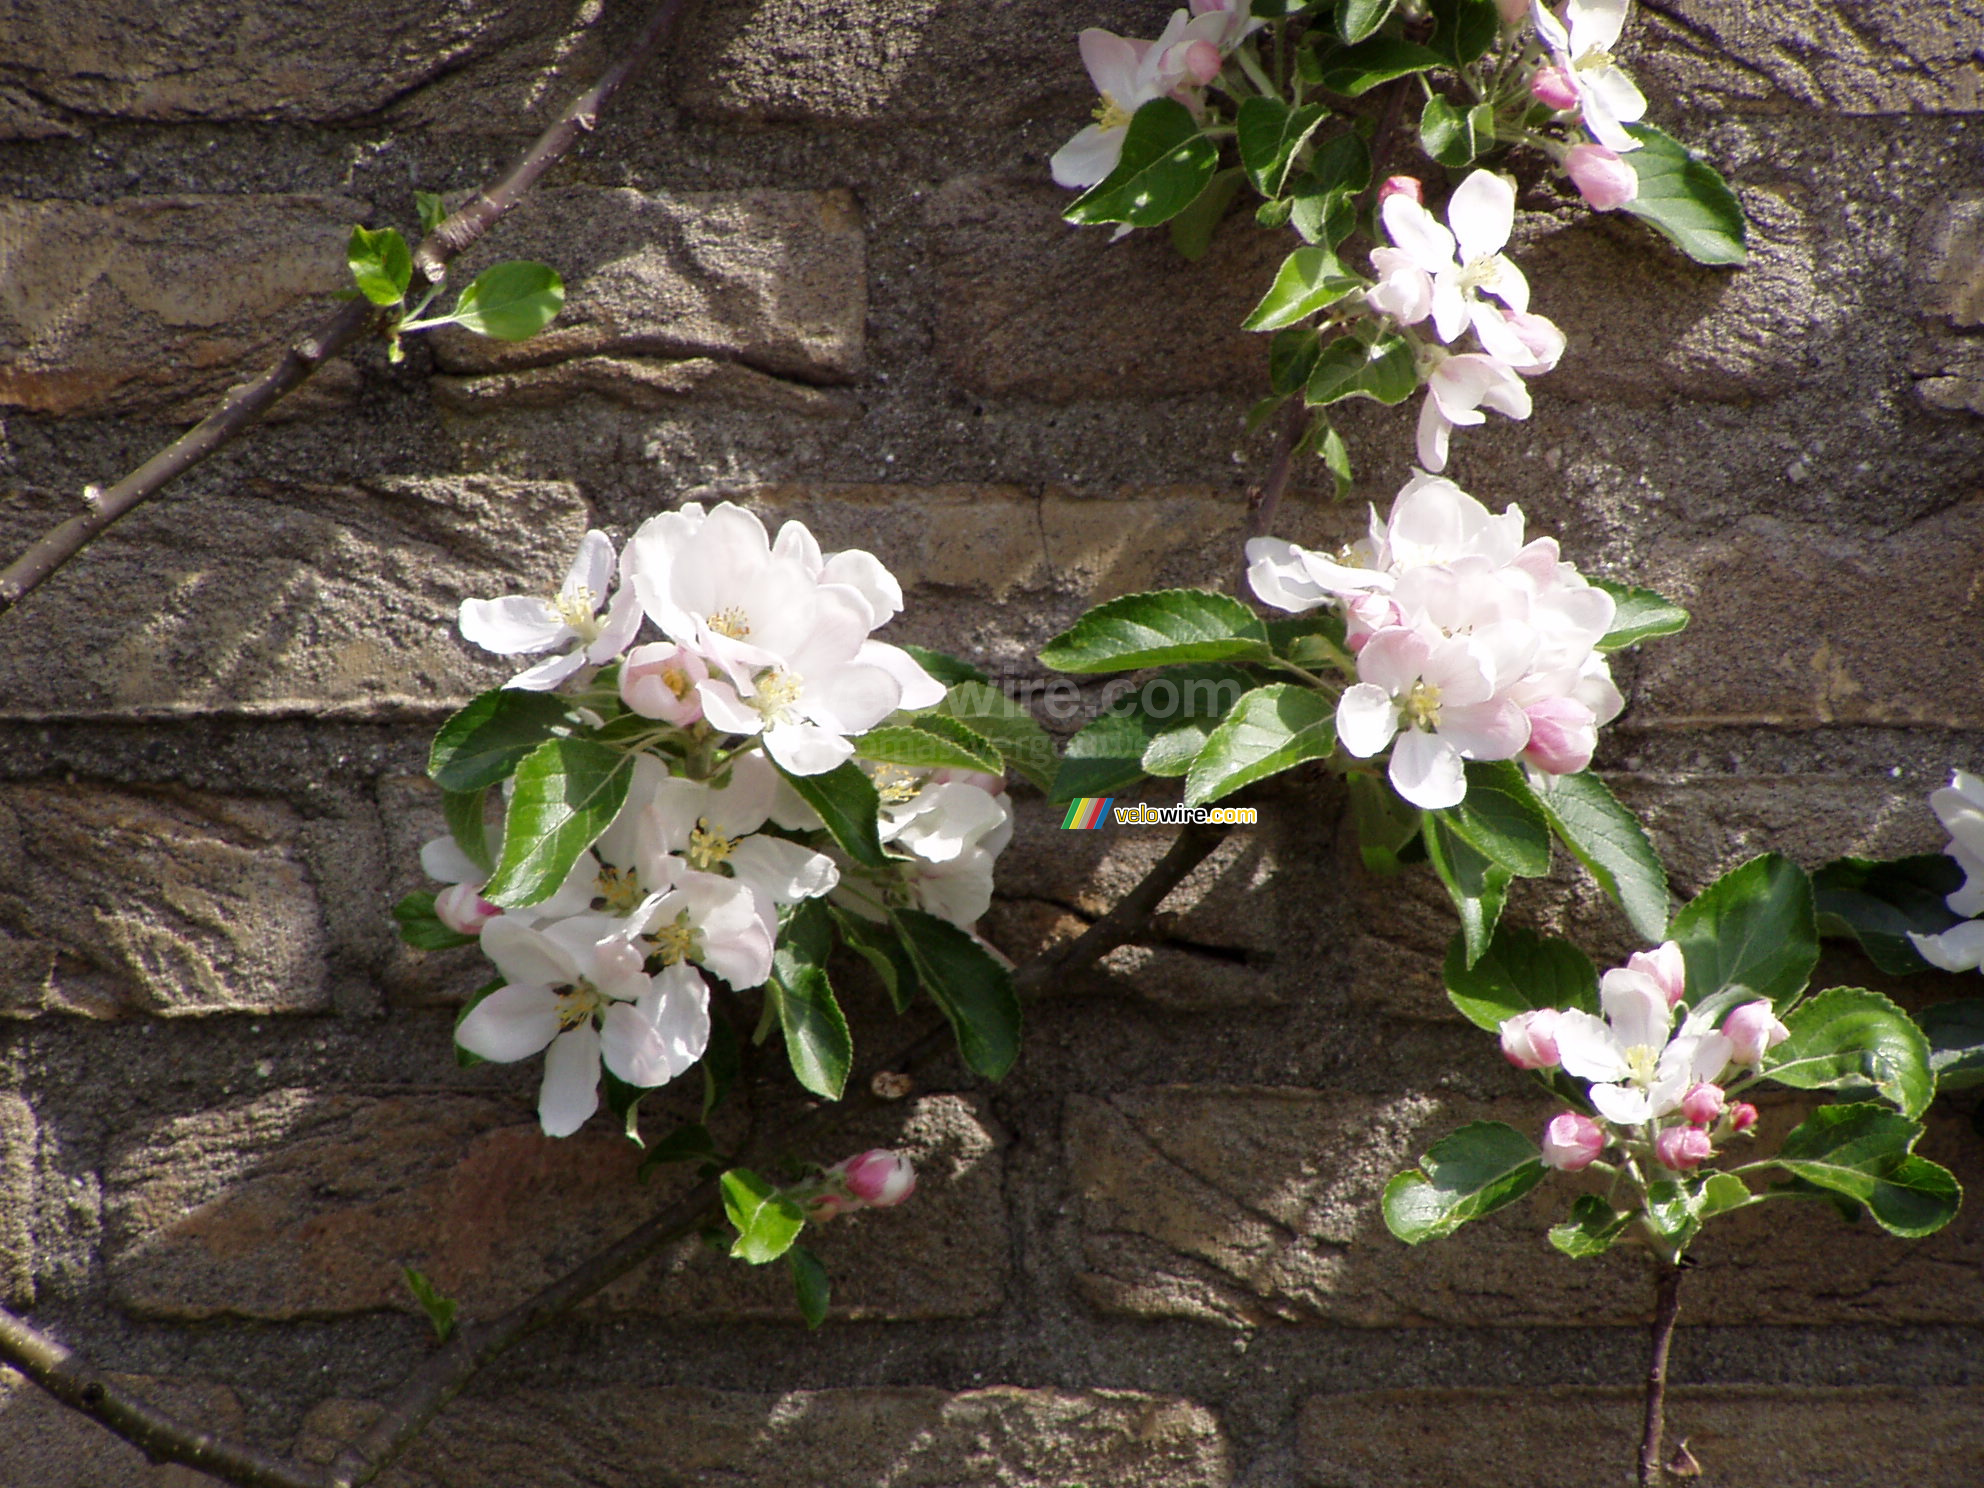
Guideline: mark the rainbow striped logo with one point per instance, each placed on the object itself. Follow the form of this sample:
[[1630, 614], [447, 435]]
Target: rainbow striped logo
[[1086, 813]]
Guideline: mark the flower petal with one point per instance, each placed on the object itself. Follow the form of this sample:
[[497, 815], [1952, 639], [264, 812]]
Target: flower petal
[[515, 625], [1481, 213], [570, 1092], [511, 1023]]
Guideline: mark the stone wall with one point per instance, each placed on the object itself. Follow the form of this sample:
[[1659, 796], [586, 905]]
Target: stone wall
[[815, 265]]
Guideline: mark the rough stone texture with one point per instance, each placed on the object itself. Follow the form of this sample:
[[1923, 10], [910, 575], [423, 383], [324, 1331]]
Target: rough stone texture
[[1247, 1206], [18, 1137], [281, 597], [1770, 1438], [1844, 56], [774, 279], [916, 1438], [49, 1446], [1947, 255], [650, 384], [165, 902], [306, 1204], [156, 304]]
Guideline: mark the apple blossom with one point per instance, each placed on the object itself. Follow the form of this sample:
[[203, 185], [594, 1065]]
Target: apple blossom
[[1959, 806], [1563, 735], [523, 625], [1661, 972], [1752, 1031], [1572, 1142], [1528, 1039], [1457, 389], [1604, 179], [659, 681], [1606, 97], [462, 909], [1742, 1116], [1128, 74], [1703, 1103], [1682, 1148], [1959, 948], [1550, 86], [879, 1179], [1637, 1068], [715, 829]]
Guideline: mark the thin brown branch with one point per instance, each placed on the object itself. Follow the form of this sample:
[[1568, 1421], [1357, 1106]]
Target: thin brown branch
[[246, 405], [1261, 510], [1667, 1307]]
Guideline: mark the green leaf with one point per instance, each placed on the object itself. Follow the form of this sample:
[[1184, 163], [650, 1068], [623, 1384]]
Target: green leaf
[[1864, 1152], [381, 264], [766, 1222], [1722, 1192], [1592, 1228], [1641, 615], [440, 1310], [1955, 1031], [1752, 928], [817, 1043], [568, 791], [1384, 370], [1467, 1174], [433, 211], [1013, 731], [931, 741], [1685, 201], [1519, 971], [1165, 625], [1499, 817], [1478, 885], [687, 1143], [485, 741], [1341, 163], [1357, 19], [946, 668], [511, 301], [1270, 135], [1385, 824], [1172, 711], [468, 826], [1447, 132], [1609, 840], [1192, 229], [1358, 69], [1674, 1209], [1463, 30], [1879, 902], [1310, 279], [1271, 729], [846, 800], [1336, 459], [974, 991], [1325, 215], [1165, 164], [1847, 1036], [1292, 357], [422, 929], [809, 1281], [883, 951]]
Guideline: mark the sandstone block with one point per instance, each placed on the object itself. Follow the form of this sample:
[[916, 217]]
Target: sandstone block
[[648, 384], [1948, 260], [285, 598], [50, 1446], [304, 1204], [914, 1438], [1252, 1205], [164, 902], [410, 807], [1867, 1437], [776, 280], [18, 1138], [156, 305]]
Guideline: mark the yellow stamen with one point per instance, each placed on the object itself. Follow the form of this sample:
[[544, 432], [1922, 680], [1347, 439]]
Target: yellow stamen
[[1421, 708], [732, 622], [576, 611], [1110, 114], [676, 941], [577, 1004], [619, 888], [707, 848]]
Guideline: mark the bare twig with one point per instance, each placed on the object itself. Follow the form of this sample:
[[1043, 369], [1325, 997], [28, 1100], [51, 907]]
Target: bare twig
[[1667, 1307], [246, 405], [1261, 510]]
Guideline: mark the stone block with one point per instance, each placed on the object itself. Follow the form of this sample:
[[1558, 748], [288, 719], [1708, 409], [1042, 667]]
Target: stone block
[[646, 384], [1948, 260], [284, 598], [50, 1446], [905, 1437], [1571, 1436], [1250, 1205], [410, 807], [307, 1204], [170, 903], [776, 280], [1839, 56], [1848, 660], [18, 1139], [156, 305]]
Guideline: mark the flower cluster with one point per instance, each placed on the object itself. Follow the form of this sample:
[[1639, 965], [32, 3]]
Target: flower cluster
[[1584, 84], [1959, 806], [1469, 643], [1656, 1088]]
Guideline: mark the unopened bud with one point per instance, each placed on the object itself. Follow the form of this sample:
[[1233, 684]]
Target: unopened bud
[[1667, 968], [1401, 186], [1703, 1104], [1572, 1142], [878, 1179], [1196, 60], [1529, 1040], [463, 910], [1562, 735], [1753, 1030], [659, 681], [1603, 179], [1682, 1148], [1553, 89], [1742, 1116]]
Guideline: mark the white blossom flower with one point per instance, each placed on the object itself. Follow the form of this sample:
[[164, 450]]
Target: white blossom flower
[[1607, 97], [1640, 1068], [1465, 259], [716, 829], [523, 625], [1128, 74], [1457, 389]]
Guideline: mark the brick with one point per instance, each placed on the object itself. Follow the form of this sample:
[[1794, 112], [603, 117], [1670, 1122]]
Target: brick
[[906, 1437], [1250, 1205], [301, 1204], [280, 597], [776, 280], [50, 1446], [1571, 1436], [170, 903], [156, 305], [1029, 306], [1841, 56], [18, 1138], [1849, 660]]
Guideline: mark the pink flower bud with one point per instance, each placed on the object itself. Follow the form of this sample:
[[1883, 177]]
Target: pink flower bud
[[822, 1207], [1553, 89], [1702, 1104], [879, 1179], [1572, 1142], [1401, 186], [1742, 1116], [659, 681], [1682, 1148], [1562, 735], [1514, 12], [1530, 1039], [1197, 60], [1603, 179], [463, 910], [1667, 968], [1753, 1029]]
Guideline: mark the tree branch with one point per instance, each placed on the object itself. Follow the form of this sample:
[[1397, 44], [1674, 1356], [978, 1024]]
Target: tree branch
[[1667, 1307], [1261, 510], [245, 405]]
